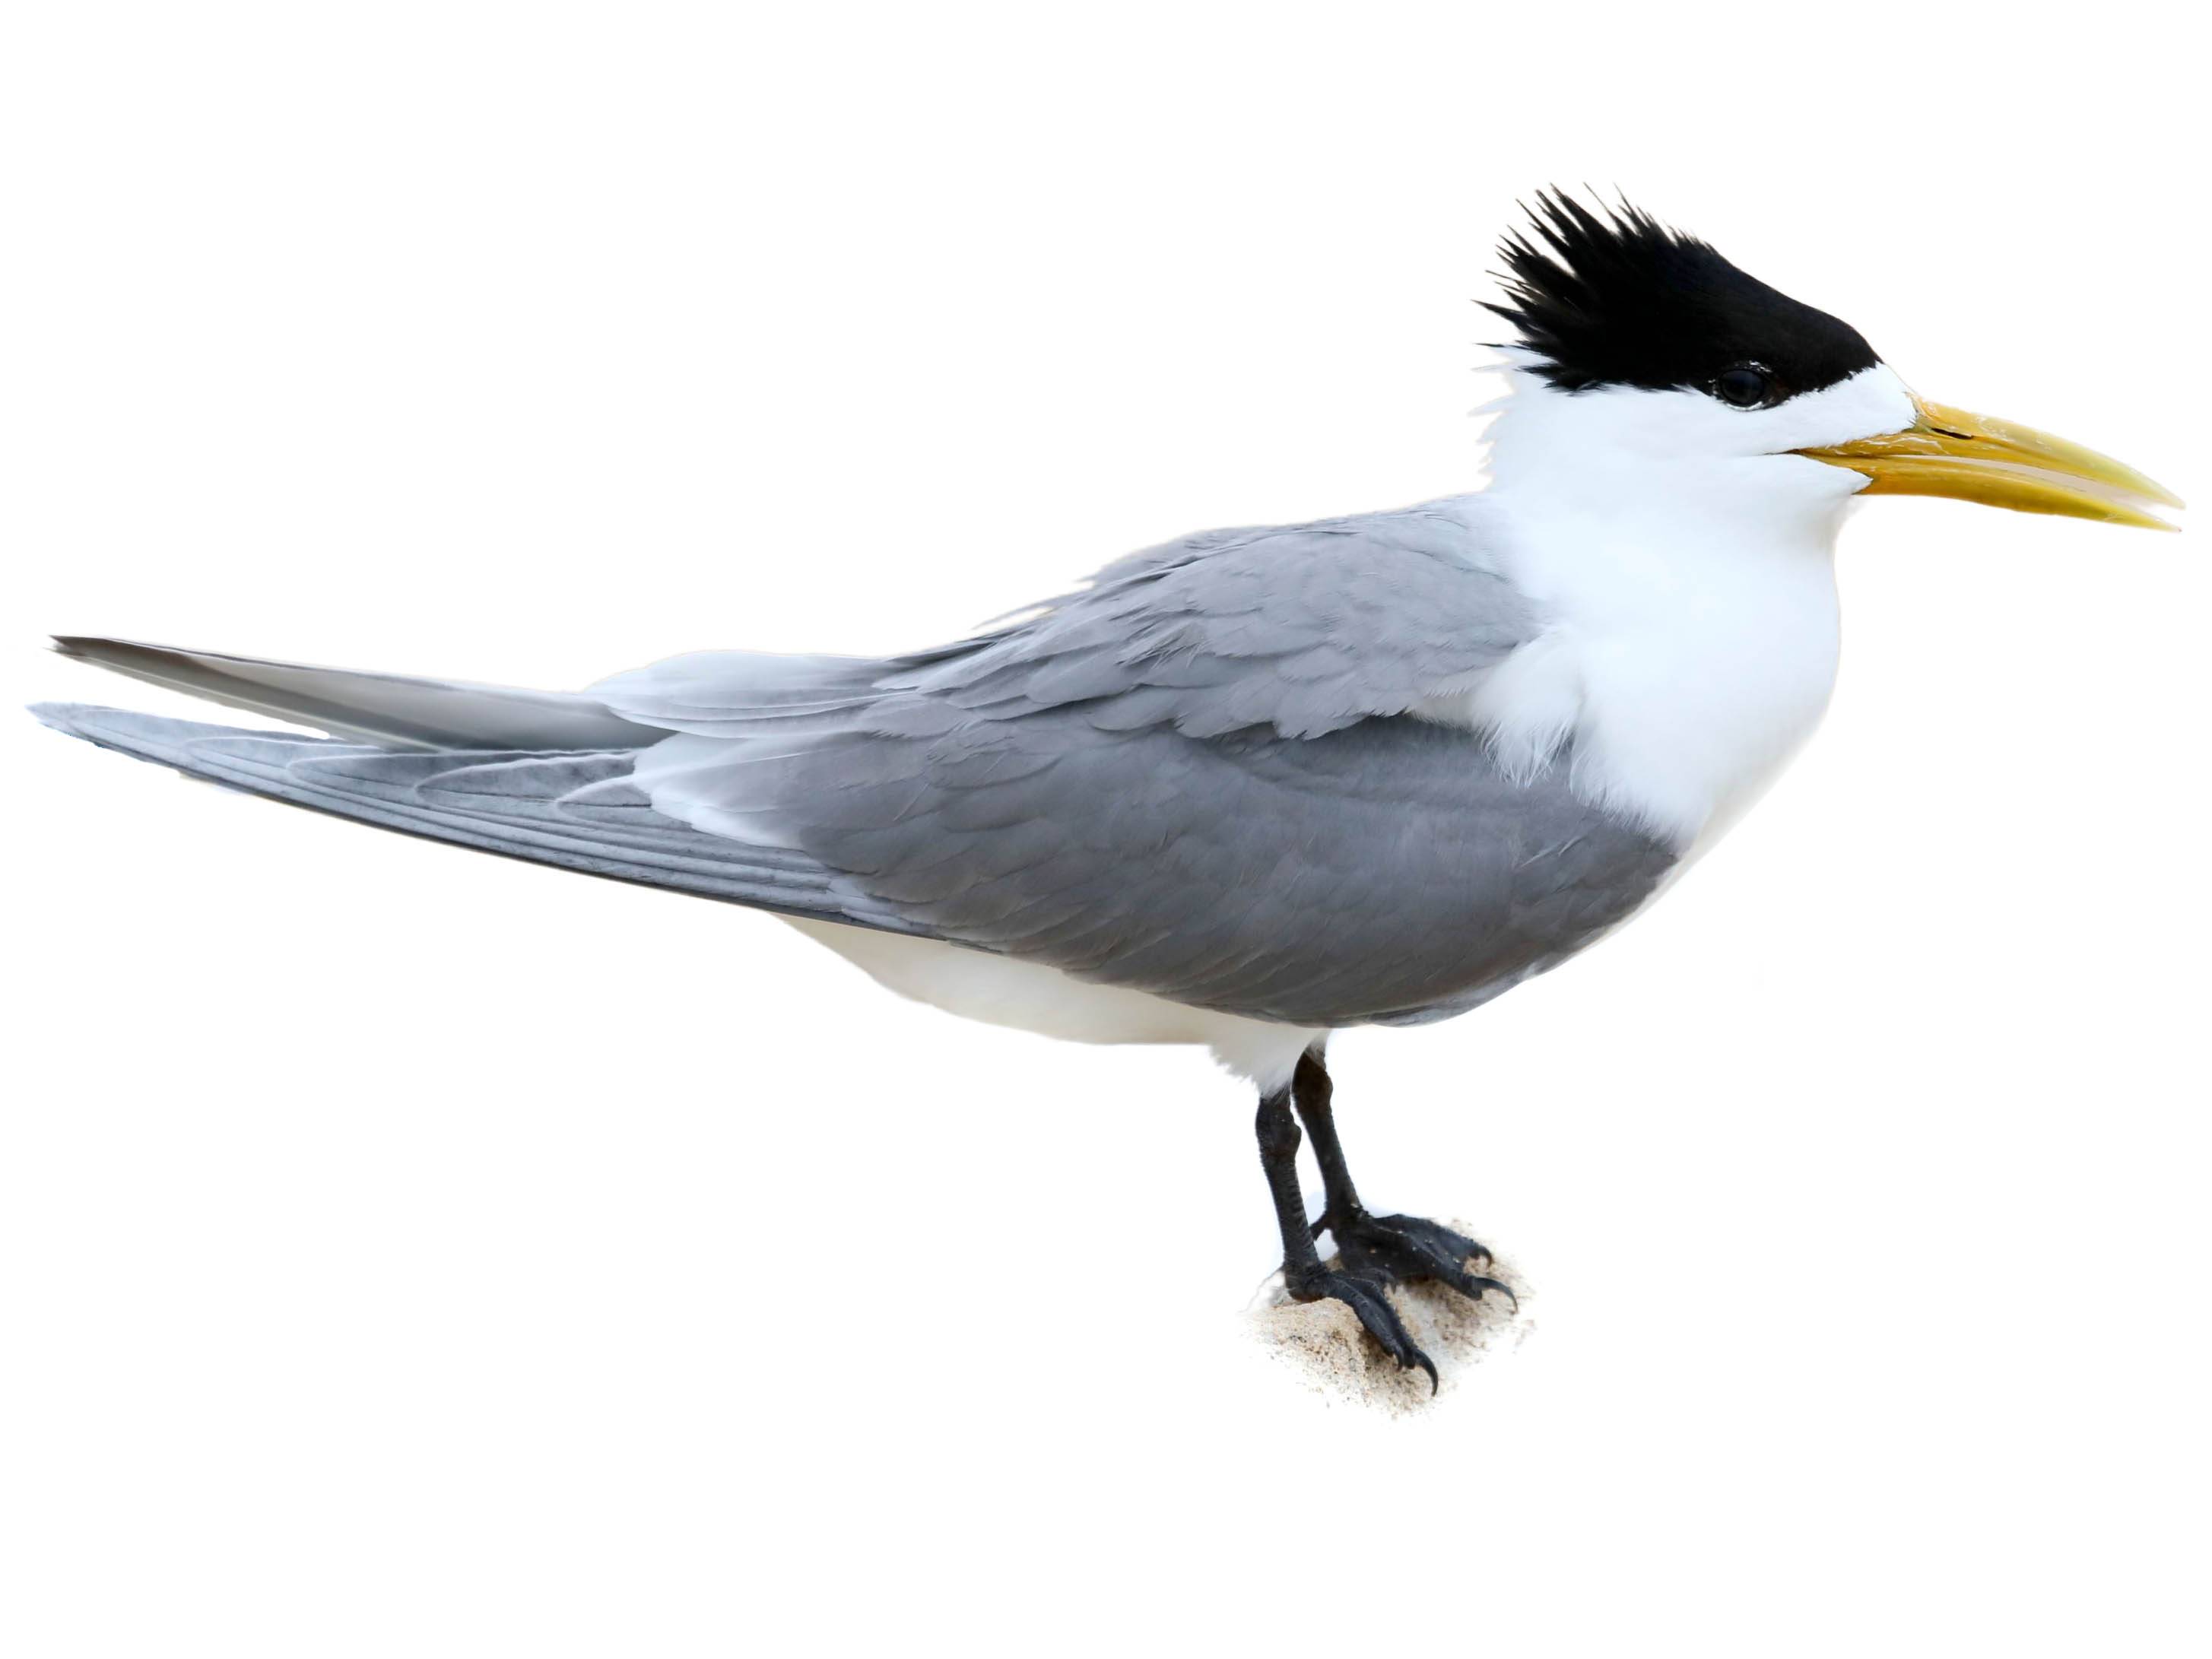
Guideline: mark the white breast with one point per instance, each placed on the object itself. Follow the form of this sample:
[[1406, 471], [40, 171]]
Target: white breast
[[1686, 678], [1690, 627]]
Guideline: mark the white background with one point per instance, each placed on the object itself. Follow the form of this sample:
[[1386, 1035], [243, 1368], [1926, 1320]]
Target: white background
[[403, 1251]]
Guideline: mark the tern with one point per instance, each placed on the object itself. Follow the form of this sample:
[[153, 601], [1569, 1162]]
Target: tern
[[1246, 788]]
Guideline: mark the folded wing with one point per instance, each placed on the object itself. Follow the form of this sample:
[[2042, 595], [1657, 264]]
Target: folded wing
[[1202, 776]]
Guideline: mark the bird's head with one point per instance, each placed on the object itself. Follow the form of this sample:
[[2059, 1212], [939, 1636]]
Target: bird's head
[[1641, 348]]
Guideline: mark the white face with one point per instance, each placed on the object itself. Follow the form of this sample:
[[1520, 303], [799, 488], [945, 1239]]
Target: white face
[[1557, 435]]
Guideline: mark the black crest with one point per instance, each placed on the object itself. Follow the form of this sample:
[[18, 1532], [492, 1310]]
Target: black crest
[[1618, 299]]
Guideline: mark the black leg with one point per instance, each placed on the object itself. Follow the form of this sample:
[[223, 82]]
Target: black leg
[[1304, 1276], [1312, 1090], [1387, 1248]]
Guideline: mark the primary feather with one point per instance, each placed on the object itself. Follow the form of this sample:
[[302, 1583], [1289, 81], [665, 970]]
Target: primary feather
[[397, 710], [574, 810]]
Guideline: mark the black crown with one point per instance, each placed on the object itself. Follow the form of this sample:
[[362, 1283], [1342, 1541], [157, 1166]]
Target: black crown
[[1618, 299]]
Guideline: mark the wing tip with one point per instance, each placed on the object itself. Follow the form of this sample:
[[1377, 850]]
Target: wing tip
[[61, 716]]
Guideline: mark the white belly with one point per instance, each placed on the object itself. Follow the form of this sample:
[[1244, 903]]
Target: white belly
[[1031, 997]]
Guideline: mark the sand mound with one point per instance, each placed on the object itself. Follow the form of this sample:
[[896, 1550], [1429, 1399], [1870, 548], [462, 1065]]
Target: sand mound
[[1322, 1343]]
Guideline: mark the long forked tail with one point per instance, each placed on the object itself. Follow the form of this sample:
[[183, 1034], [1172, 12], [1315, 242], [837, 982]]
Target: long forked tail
[[392, 710], [576, 809]]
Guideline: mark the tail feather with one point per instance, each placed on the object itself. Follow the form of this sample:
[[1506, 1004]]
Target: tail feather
[[578, 809], [392, 710]]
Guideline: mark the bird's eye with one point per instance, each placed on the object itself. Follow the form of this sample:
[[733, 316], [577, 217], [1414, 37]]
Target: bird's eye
[[1745, 386]]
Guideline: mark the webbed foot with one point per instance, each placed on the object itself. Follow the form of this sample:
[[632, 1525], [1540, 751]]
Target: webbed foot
[[1389, 1250], [1365, 1296]]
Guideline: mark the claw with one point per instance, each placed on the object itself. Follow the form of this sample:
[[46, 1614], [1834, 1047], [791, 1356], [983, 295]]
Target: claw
[[1372, 1308], [1426, 1365], [1472, 1286]]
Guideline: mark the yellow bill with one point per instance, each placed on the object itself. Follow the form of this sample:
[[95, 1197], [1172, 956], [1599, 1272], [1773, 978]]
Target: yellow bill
[[1948, 451]]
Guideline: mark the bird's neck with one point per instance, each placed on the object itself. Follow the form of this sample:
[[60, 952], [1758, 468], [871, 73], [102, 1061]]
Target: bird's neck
[[1690, 631]]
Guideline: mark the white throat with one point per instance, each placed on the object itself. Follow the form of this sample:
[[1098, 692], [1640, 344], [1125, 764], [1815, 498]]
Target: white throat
[[1687, 591]]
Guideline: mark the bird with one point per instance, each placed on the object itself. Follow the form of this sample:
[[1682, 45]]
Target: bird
[[1253, 787]]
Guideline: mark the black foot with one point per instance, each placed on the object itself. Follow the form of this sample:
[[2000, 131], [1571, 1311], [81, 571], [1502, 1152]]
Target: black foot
[[1387, 1250], [1365, 1298], [1377, 1250]]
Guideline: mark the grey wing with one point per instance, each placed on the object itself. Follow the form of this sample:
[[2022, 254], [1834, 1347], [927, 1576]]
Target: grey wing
[[1302, 628], [1197, 778], [1386, 872], [576, 810]]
